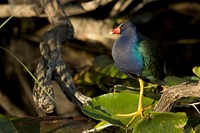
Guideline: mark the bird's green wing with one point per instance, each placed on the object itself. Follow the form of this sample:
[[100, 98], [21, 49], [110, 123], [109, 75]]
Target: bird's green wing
[[153, 60]]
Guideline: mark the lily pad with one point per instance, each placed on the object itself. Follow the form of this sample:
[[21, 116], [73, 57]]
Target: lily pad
[[162, 123], [105, 108]]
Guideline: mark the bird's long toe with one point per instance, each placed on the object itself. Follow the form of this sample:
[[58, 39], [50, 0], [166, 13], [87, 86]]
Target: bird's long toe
[[134, 115]]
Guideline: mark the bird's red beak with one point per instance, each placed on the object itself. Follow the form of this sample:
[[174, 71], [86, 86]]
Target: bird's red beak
[[115, 31]]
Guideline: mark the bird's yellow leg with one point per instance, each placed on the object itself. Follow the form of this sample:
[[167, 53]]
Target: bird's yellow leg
[[140, 109]]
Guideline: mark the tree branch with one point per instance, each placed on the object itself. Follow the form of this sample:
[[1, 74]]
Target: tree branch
[[174, 93], [32, 10], [52, 65]]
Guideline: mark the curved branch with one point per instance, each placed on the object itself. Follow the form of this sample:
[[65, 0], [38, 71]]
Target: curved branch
[[174, 93]]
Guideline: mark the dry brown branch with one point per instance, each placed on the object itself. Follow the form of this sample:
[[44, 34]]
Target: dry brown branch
[[174, 93], [25, 11], [32, 10], [96, 31], [87, 30]]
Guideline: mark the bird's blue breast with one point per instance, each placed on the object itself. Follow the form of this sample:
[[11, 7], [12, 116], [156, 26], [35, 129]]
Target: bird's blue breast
[[126, 55]]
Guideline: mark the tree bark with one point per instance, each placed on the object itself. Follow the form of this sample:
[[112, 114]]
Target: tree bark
[[174, 93]]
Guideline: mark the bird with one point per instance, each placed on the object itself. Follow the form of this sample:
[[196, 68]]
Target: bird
[[138, 57]]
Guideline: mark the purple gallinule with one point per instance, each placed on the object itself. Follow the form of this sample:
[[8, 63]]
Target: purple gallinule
[[139, 58]]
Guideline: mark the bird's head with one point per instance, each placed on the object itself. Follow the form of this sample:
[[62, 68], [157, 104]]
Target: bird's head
[[121, 28]]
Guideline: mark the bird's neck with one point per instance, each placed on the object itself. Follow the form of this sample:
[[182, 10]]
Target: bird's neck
[[128, 41], [132, 37], [126, 51]]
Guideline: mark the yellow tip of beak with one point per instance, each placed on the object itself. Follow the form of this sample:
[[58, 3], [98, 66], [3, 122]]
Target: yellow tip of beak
[[110, 32]]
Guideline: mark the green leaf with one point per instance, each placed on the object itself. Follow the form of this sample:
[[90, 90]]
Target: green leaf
[[162, 123], [172, 80], [86, 78], [150, 90], [102, 60], [192, 124], [197, 129], [105, 108], [196, 70], [100, 126], [112, 71], [6, 126], [193, 121]]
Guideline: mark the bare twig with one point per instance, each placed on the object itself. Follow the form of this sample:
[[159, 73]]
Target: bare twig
[[194, 105]]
